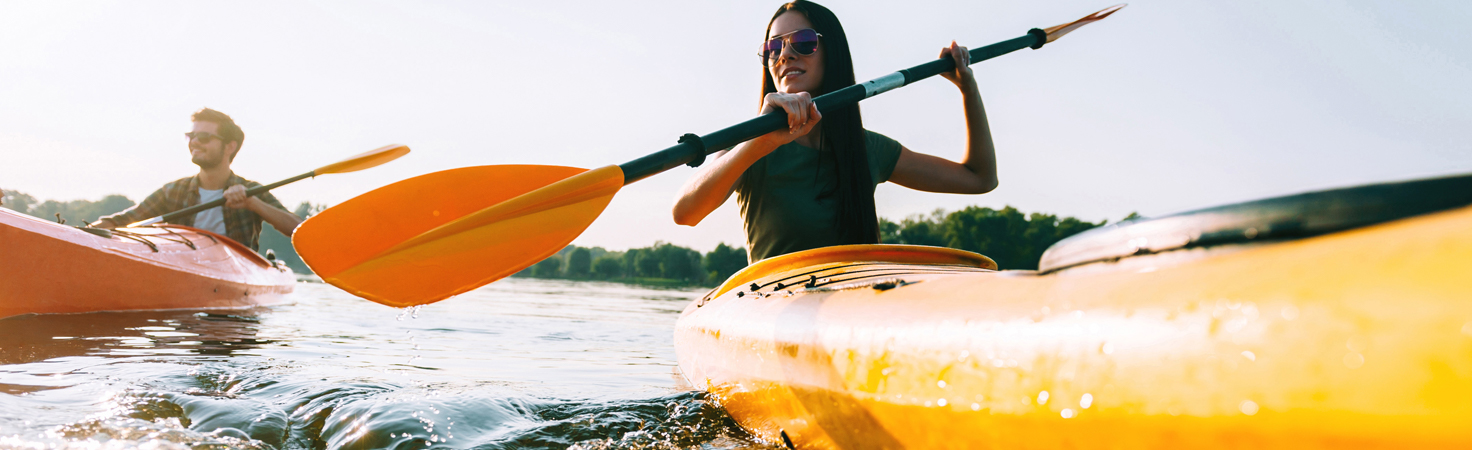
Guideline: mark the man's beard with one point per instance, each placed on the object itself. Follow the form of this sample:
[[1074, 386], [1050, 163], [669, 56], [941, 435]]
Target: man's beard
[[204, 160]]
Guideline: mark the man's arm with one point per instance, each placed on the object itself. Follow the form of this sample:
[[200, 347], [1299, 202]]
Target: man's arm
[[264, 205], [149, 208]]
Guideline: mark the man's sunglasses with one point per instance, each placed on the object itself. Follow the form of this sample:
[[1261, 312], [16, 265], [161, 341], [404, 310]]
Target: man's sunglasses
[[804, 42], [204, 137]]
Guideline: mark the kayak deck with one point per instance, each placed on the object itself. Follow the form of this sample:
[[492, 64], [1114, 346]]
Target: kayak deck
[[50, 268], [1360, 338]]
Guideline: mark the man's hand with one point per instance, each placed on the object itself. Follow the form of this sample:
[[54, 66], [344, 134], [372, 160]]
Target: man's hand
[[280, 219], [235, 198]]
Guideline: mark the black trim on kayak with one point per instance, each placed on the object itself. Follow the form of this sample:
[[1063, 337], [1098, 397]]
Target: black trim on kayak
[[811, 279], [1274, 219], [889, 271], [861, 274]]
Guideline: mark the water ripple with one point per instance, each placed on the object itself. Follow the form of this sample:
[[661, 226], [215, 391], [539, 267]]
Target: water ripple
[[522, 364]]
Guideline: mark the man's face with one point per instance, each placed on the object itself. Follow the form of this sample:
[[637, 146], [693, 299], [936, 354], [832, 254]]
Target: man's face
[[206, 148]]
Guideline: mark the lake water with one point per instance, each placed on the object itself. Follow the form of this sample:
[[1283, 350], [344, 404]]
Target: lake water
[[519, 364]]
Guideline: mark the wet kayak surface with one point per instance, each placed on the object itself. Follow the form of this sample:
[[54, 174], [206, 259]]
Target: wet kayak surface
[[521, 363]]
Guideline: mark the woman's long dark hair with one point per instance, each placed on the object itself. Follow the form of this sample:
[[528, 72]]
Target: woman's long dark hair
[[842, 130]]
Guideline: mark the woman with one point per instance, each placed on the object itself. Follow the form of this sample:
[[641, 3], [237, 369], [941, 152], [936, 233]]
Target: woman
[[812, 185]]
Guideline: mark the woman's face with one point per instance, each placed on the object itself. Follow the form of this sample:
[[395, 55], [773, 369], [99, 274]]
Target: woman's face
[[795, 72]]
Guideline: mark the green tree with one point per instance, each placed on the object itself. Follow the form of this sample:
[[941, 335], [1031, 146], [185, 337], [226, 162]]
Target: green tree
[[919, 230], [17, 201], [631, 262], [308, 209], [647, 264], [1070, 226], [608, 267], [50, 209], [1015, 240], [1042, 231], [280, 244], [579, 263], [679, 263], [995, 233], [79, 212], [916, 229], [724, 261], [548, 268], [889, 232]]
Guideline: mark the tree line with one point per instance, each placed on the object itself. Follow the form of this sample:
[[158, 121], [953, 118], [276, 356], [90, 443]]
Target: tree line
[[75, 212], [1016, 240], [659, 264], [82, 212]]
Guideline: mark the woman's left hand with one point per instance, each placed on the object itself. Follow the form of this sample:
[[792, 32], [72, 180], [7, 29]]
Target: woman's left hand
[[962, 75]]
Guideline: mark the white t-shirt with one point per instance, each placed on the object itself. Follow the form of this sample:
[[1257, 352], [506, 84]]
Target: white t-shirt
[[212, 219]]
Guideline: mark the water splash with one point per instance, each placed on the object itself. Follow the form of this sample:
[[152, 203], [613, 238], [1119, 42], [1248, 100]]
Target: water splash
[[578, 366], [411, 312]]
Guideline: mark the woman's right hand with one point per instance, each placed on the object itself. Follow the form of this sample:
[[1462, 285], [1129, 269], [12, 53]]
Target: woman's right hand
[[802, 115], [714, 181]]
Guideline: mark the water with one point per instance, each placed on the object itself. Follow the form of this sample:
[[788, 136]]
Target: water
[[519, 364]]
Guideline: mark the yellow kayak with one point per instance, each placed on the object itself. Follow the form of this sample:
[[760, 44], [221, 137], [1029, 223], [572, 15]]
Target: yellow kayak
[[1339, 319]]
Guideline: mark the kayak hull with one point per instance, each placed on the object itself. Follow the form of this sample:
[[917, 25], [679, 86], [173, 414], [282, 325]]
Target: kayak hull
[[48, 268], [1360, 338]]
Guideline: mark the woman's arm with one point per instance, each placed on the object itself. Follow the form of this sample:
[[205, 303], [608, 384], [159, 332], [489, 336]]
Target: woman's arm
[[977, 173], [714, 181]]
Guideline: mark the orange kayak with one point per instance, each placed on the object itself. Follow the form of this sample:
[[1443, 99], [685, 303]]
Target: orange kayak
[[49, 268], [1337, 319]]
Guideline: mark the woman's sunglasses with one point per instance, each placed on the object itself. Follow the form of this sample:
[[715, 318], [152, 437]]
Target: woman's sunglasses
[[804, 42]]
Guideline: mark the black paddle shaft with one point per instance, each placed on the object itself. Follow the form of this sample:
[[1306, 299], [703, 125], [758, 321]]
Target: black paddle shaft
[[692, 149], [252, 192]]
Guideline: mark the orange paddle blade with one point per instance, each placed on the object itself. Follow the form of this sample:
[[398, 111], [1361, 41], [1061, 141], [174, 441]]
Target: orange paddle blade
[[1058, 31], [431, 237], [368, 159]]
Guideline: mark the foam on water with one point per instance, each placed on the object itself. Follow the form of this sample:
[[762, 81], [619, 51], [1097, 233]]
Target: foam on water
[[519, 364]]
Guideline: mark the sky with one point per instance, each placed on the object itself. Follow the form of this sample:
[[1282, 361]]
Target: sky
[[1164, 107]]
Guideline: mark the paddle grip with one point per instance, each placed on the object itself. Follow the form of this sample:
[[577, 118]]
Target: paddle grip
[[252, 192], [689, 149]]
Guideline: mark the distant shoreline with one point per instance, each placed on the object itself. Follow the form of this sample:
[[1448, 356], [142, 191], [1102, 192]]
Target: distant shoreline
[[1014, 239], [640, 281]]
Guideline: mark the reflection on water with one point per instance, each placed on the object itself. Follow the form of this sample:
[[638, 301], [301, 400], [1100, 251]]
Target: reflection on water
[[519, 364], [38, 338]]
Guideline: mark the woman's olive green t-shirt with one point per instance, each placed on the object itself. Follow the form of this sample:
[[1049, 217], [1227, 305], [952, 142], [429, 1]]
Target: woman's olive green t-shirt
[[795, 206]]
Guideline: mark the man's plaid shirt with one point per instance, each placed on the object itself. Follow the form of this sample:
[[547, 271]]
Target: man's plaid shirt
[[242, 225]]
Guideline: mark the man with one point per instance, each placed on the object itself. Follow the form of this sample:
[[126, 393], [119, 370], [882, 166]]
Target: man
[[213, 144]]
